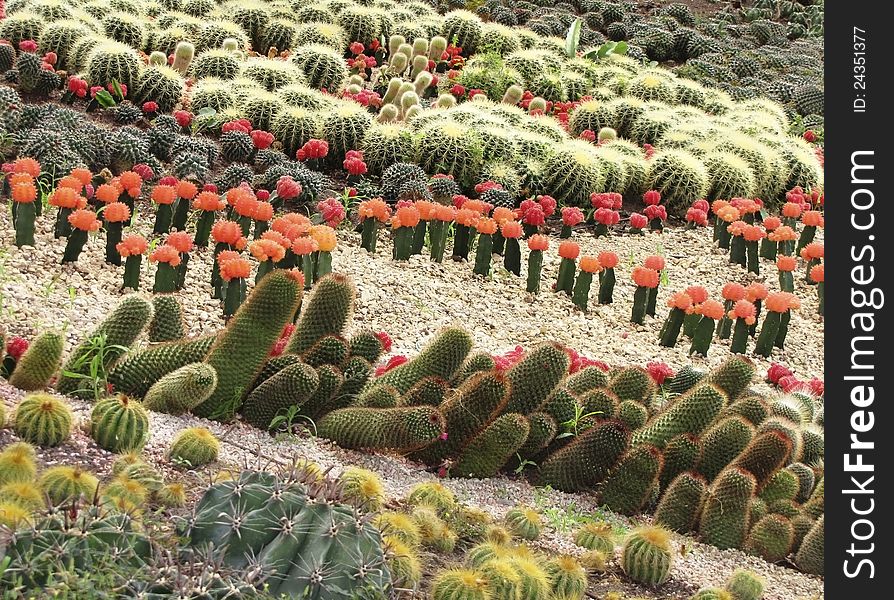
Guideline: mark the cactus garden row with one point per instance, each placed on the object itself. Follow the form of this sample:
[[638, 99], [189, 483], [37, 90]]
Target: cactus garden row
[[486, 300]]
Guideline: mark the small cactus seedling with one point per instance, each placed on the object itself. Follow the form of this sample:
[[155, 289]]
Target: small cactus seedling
[[362, 488]]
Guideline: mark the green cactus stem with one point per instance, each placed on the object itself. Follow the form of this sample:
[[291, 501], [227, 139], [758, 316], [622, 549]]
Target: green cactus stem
[[752, 256], [640, 297], [264, 267], [606, 286], [322, 264], [37, 366], [752, 329], [403, 243], [535, 265], [165, 278], [701, 337], [234, 296], [690, 322], [132, 266], [75, 245], [581, 294], [725, 325], [565, 282], [769, 248], [483, 254], [368, 230], [565, 233], [26, 212], [806, 237], [163, 218], [437, 230], [821, 295], [419, 237], [652, 299], [462, 240], [62, 227], [203, 228], [512, 256], [670, 331], [786, 281], [769, 332], [113, 238], [723, 235], [737, 255], [784, 320], [740, 337]]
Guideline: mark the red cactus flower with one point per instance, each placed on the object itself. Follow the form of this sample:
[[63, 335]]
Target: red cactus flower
[[701, 205], [394, 361], [262, 139], [655, 211], [697, 216], [810, 136], [356, 48], [28, 46], [659, 371], [332, 211], [776, 372], [385, 340], [548, 204]]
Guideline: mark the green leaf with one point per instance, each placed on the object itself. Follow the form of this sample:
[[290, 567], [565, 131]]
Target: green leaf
[[572, 38], [105, 99], [207, 111], [620, 48], [117, 87]]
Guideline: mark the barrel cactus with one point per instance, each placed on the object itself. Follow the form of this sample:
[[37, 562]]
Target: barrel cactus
[[119, 424], [647, 556], [195, 446], [43, 419]]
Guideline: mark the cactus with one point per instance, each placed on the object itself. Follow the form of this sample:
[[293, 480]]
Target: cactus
[[330, 350], [682, 502], [567, 577], [122, 491], [195, 447], [573, 172], [633, 414], [647, 556], [722, 443], [681, 454], [118, 331], [684, 380], [344, 128], [434, 531], [432, 494], [486, 454], [43, 420], [745, 585], [326, 312], [333, 391], [145, 474], [113, 61], [216, 63], [534, 377], [587, 459], [588, 378], [323, 67], [628, 486], [752, 408], [806, 480], [399, 526], [460, 584], [136, 374], [562, 406], [402, 429], [633, 383], [725, 516], [730, 176], [782, 485], [771, 538], [766, 453], [441, 357], [810, 555], [63, 484], [119, 424], [362, 488], [25, 494], [17, 463], [172, 495], [711, 594], [597, 536], [452, 149], [430, 391], [679, 176], [40, 362], [543, 431], [475, 363], [313, 539], [160, 84], [383, 396], [403, 563], [167, 319], [181, 390], [291, 386], [691, 413], [601, 402], [733, 376], [240, 351], [524, 522]]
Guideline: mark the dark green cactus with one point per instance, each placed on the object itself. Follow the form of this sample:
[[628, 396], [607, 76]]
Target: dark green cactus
[[633, 383], [600, 402], [524, 522], [562, 406], [628, 486], [745, 585], [693, 412], [194, 446], [442, 357], [429, 391], [771, 538], [273, 366], [723, 443], [764, 455], [329, 350], [43, 420], [119, 424], [402, 428], [167, 319], [733, 376], [633, 414], [380, 396], [330, 394], [136, 373], [318, 549], [587, 459], [240, 351], [783, 485], [810, 556], [806, 480], [682, 502], [684, 380], [326, 312], [588, 378], [725, 516], [118, 331], [475, 363], [182, 390], [681, 454], [486, 454], [535, 376], [40, 362], [567, 577], [292, 386], [543, 431], [367, 345], [752, 408]]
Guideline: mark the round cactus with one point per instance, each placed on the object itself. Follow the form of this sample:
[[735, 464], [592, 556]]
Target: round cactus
[[596, 536], [323, 67], [181, 390], [344, 127], [23, 493], [63, 484], [17, 463], [215, 63], [771, 538], [172, 495], [162, 85], [403, 563], [195, 447], [119, 424], [123, 491], [363, 488], [13, 515], [745, 585], [432, 494], [144, 473], [680, 177], [400, 526], [573, 172], [451, 148], [568, 578], [113, 61], [433, 530], [460, 584], [464, 28], [524, 522], [40, 362], [647, 556], [730, 176], [43, 420]]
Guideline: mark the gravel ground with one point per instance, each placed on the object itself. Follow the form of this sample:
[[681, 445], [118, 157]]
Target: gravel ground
[[411, 301]]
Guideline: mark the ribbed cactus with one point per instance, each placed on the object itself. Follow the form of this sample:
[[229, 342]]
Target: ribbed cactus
[[113, 61], [400, 526], [633, 383], [442, 357], [167, 319], [240, 351], [362, 488], [403, 428], [144, 473], [598, 535], [182, 390], [25, 494], [43, 420], [753, 408], [771, 538], [524, 522], [691, 413], [63, 484], [195, 447], [587, 459], [733, 376], [291, 386], [722, 443], [684, 379], [469, 410], [40, 362], [486, 454], [682, 502], [567, 577], [806, 480], [316, 550], [535, 376], [118, 331], [725, 516], [633, 414], [119, 424], [135, 374], [647, 556], [17, 463], [628, 486], [435, 533], [326, 312], [745, 585], [460, 584]]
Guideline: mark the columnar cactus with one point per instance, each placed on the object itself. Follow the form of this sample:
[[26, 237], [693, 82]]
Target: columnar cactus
[[691, 413], [401, 428], [291, 386], [771, 538], [535, 376], [682, 502], [43, 420], [587, 459], [138, 372], [326, 312], [647, 556], [442, 357], [628, 487], [119, 424], [181, 390], [40, 362], [725, 516], [486, 454]]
